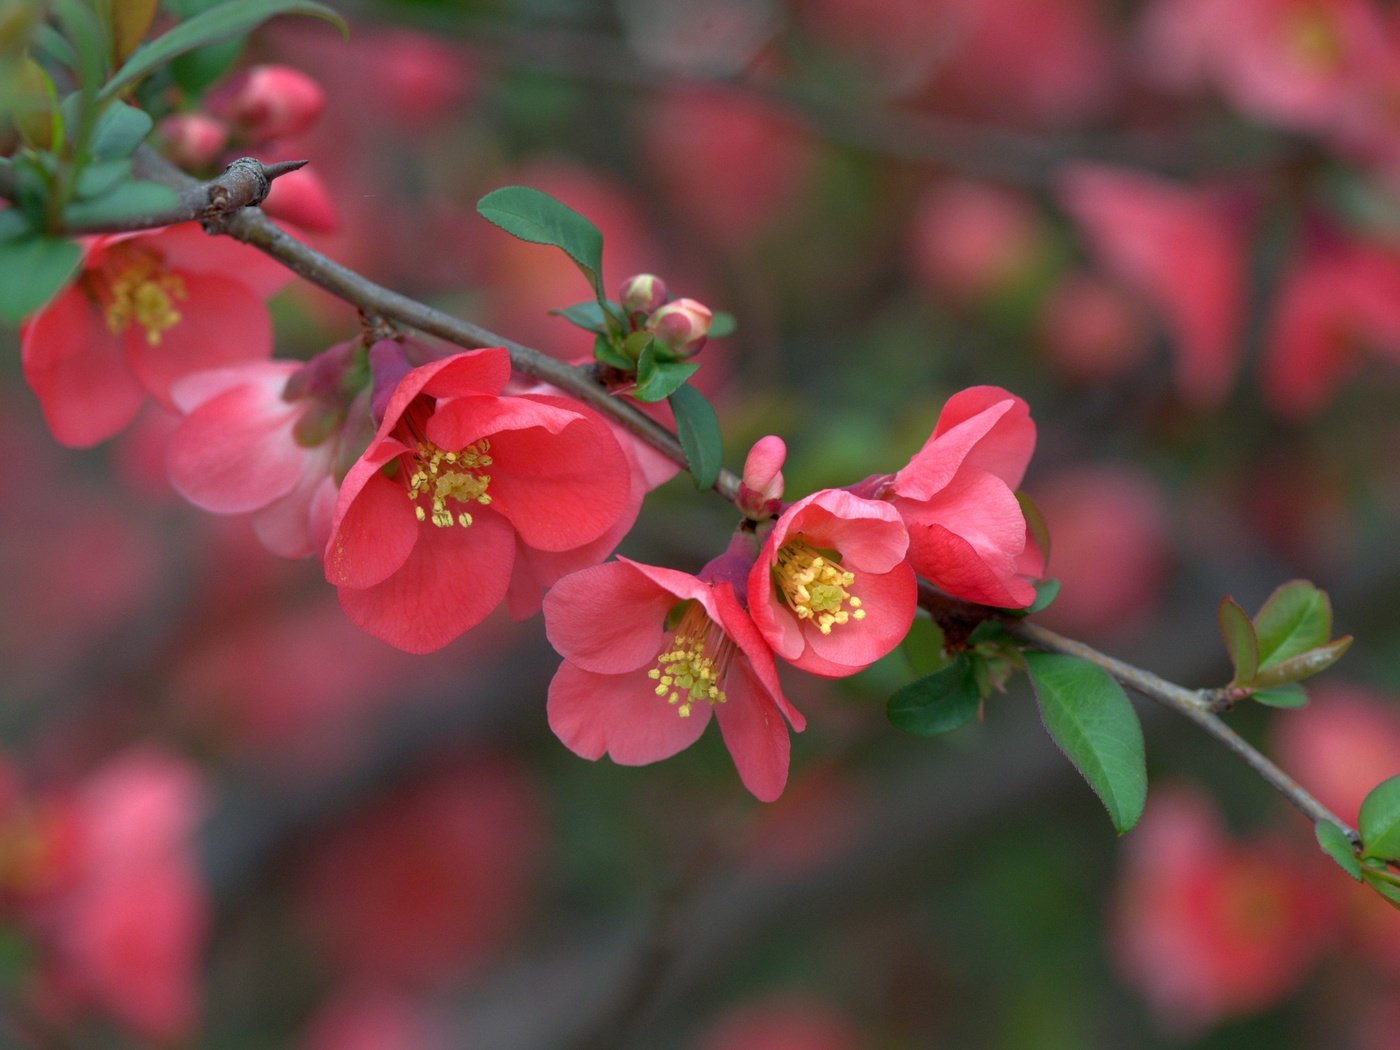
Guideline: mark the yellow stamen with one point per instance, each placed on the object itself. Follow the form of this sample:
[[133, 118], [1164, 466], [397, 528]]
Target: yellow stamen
[[438, 476], [140, 290], [692, 662], [814, 585]]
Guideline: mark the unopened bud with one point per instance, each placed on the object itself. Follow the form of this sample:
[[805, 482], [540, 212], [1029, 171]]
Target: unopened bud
[[193, 140], [681, 327], [643, 294], [761, 487], [271, 102]]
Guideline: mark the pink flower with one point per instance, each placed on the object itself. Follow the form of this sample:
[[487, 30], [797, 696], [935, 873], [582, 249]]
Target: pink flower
[[1208, 928], [424, 532], [967, 532], [1177, 247], [146, 310], [247, 447], [831, 592], [649, 654], [270, 102], [761, 487]]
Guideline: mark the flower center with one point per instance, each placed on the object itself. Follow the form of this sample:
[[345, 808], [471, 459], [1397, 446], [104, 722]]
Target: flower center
[[439, 476], [140, 290], [693, 661], [814, 585]]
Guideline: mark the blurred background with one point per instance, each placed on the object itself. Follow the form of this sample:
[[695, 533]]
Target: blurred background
[[1172, 226]]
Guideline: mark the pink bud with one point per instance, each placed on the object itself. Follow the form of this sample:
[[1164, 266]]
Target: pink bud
[[193, 140], [301, 198], [271, 102], [643, 294], [761, 488], [681, 327]]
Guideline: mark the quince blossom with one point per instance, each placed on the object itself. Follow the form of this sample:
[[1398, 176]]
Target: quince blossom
[[146, 310], [649, 655], [831, 591], [423, 536]]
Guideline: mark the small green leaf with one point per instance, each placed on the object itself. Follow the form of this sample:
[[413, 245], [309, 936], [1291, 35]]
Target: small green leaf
[[230, 19], [1335, 844], [605, 353], [697, 426], [535, 216], [119, 130], [47, 40], [1379, 822], [1291, 695], [1297, 617], [1240, 640], [12, 223], [722, 325], [1046, 591], [88, 37], [35, 268], [1089, 716], [658, 380], [923, 646], [1383, 882], [1304, 665], [939, 702], [588, 316], [1035, 525], [101, 176], [129, 200]]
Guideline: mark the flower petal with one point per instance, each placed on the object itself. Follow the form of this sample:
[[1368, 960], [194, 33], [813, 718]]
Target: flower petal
[[620, 716], [754, 733], [235, 453], [889, 600], [374, 528], [608, 619]]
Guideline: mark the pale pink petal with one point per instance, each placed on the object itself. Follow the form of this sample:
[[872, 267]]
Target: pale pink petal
[[608, 619], [221, 322], [298, 524], [868, 534], [933, 466], [78, 371], [620, 716], [193, 390], [1005, 450], [236, 453], [754, 733], [450, 582]]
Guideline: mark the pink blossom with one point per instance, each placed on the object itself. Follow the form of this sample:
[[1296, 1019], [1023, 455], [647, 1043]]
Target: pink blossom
[[970, 240], [1207, 928], [761, 486], [967, 532], [649, 654], [1091, 330], [146, 310], [243, 448], [424, 532], [831, 592], [1178, 248], [270, 102]]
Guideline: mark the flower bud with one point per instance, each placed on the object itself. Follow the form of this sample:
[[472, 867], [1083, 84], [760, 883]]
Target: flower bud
[[272, 102], [193, 140], [681, 327], [761, 487], [643, 294]]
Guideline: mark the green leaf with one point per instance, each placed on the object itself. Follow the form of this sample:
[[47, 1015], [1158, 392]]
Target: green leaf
[[937, 703], [1290, 695], [535, 216], [588, 316], [1035, 525], [1383, 882], [88, 37], [35, 268], [658, 380], [722, 325], [119, 130], [12, 223], [50, 42], [129, 200], [1240, 640], [1304, 665], [923, 646], [605, 353], [1379, 822], [1297, 617], [698, 428], [1089, 716], [196, 70], [230, 19], [1046, 591], [1335, 844], [101, 176]]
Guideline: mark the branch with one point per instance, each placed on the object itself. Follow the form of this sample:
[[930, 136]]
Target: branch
[[1198, 705]]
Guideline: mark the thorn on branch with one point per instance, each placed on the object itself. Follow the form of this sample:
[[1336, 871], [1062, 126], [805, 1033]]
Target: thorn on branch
[[245, 183]]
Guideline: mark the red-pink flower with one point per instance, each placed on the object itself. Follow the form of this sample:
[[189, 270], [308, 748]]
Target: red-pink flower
[[1177, 247], [649, 654], [145, 310], [424, 532], [241, 449], [831, 592], [967, 532]]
